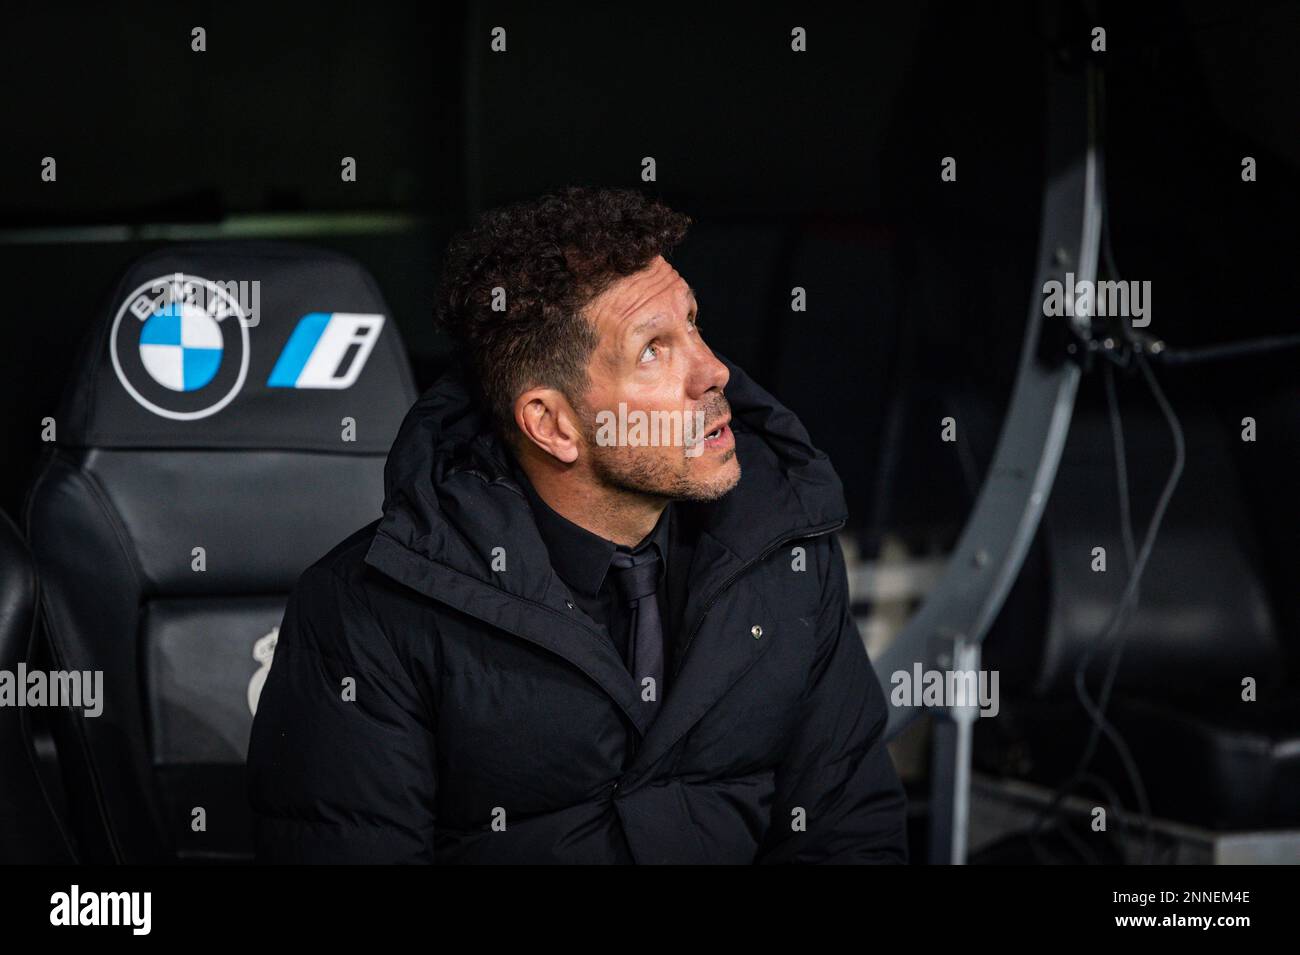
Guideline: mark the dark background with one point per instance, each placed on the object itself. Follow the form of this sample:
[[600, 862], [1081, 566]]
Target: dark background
[[817, 169]]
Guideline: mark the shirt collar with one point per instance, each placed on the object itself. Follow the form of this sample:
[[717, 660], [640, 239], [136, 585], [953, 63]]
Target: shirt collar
[[580, 557]]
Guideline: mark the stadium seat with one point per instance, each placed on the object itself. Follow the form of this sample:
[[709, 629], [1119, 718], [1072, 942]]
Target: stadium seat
[[30, 830], [1204, 623], [227, 424]]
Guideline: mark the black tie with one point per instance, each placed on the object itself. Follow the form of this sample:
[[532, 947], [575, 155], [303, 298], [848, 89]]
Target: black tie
[[637, 579]]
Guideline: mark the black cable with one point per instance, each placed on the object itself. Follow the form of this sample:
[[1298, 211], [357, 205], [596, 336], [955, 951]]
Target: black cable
[[1121, 470], [1134, 578], [1114, 629], [1252, 346], [1128, 603], [1114, 632], [1082, 848], [1118, 619]]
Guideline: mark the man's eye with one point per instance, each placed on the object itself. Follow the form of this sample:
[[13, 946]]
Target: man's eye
[[652, 350]]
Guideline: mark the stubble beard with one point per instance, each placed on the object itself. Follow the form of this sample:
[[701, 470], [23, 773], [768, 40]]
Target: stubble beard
[[647, 472], [651, 475]]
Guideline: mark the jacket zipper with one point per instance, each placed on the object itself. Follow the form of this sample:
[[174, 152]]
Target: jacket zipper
[[780, 542]]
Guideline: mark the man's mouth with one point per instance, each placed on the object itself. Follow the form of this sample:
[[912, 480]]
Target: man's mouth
[[719, 434]]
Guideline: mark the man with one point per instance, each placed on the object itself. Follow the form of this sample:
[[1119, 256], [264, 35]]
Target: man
[[565, 640]]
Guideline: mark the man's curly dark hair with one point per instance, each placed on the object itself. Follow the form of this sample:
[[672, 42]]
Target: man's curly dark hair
[[549, 257]]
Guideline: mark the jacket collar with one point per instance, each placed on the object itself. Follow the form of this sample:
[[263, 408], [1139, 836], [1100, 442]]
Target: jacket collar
[[581, 558], [451, 500]]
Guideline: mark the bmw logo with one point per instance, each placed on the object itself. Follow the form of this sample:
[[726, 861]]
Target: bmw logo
[[179, 345]]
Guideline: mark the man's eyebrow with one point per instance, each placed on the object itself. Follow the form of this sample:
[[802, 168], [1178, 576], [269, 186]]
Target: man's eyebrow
[[649, 320], [646, 323]]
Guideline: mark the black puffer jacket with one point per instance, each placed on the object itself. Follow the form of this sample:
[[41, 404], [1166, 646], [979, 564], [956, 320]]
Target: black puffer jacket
[[423, 708]]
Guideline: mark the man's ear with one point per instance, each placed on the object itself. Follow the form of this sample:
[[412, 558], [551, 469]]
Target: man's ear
[[545, 418]]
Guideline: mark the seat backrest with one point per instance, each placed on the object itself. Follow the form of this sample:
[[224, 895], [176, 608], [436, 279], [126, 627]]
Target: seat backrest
[[1203, 621], [227, 424], [30, 831]]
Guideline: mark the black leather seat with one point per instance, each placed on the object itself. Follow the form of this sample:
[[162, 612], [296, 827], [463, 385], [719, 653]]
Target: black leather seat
[[1205, 621], [213, 444], [30, 829]]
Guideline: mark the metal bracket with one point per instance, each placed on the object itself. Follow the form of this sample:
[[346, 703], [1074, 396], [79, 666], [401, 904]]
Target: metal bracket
[[992, 547]]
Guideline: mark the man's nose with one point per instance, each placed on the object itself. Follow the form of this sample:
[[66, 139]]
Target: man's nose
[[708, 373]]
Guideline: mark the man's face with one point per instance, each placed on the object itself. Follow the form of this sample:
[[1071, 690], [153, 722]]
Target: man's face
[[651, 358]]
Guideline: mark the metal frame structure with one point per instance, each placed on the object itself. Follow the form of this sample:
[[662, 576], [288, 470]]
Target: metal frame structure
[[947, 631]]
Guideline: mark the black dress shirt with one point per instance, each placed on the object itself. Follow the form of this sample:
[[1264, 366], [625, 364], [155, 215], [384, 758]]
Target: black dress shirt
[[582, 560]]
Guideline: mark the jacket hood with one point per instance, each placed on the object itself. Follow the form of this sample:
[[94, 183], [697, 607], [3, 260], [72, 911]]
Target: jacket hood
[[450, 497]]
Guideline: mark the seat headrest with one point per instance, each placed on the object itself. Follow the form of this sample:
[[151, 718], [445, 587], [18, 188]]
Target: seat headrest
[[227, 345]]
